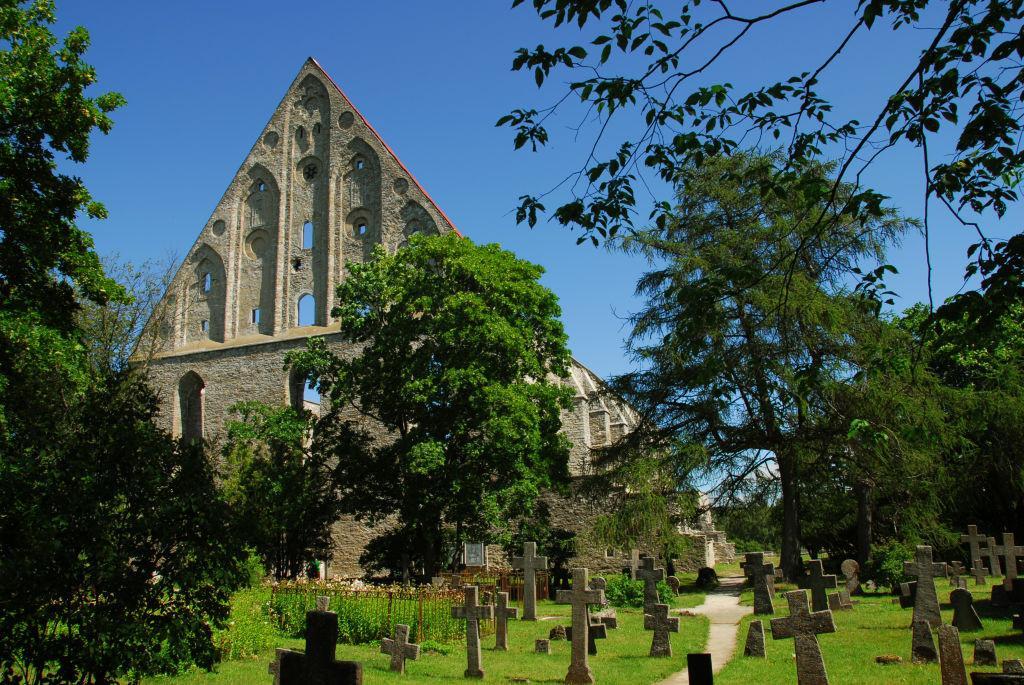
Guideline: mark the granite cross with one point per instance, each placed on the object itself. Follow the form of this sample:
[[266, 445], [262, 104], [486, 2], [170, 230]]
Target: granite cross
[[651, 576], [979, 572], [660, 622], [400, 648], [1009, 552], [818, 582], [974, 540], [759, 573], [502, 613], [992, 552], [926, 601], [317, 663], [804, 626], [579, 597], [473, 612], [529, 564]]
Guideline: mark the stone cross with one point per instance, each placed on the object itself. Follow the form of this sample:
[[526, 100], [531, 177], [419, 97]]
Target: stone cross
[[650, 576], [501, 615], [598, 630], [951, 657], [759, 572], [851, 575], [529, 564], [579, 597], [473, 612], [817, 582], [965, 617], [926, 601], [400, 648], [1009, 552], [974, 539], [992, 552], [979, 572], [804, 626], [317, 663], [660, 622], [956, 569], [634, 563]]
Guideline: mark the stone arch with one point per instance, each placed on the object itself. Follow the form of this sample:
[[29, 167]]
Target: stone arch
[[361, 196], [208, 289], [258, 262], [191, 398], [415, 220], [306, 311], [300, 395], [312, 117]]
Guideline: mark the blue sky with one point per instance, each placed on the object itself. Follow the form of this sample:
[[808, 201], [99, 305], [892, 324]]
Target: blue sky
[[202, 78]]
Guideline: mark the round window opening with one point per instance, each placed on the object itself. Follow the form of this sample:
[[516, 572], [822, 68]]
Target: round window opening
[[256, 244], [361, 229], [310, 171]]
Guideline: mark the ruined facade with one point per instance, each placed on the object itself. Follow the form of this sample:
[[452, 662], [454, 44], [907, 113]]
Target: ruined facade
[[319, 189]]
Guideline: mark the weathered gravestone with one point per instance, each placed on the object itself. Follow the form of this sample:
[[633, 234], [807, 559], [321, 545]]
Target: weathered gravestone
[[634, 563], [908, 593], [991, 552], [996, 678], [651, 576], [699, 670], [502, 613], [985, 653], [400, 648], [1009, 553], [760, 575], [840, 601], [707, 579], [673, 584], [529, 564], [851, 576], [979, 572], [542, 646], [804, 626], [922, 646], [926, 601], [473, 612], [755, 646], [662, 624], [818, 582], [974, 541], [954, 571], [965, 617], [579, 597], [557, 633], [323, 603], [1013, 666], [597, 630], [951, 658], [316, 666]]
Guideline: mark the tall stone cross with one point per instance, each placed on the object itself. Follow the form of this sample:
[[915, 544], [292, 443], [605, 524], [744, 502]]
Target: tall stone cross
[[579, 597], [660, 622], [634, 563], [400, 648], [473, 612], [529, 564], [502, 613], [974, 540], [1009, 552], [818, 582], [926, 602], [316, 666], [992, 552], [651, 576], [804, 626], [979, 572], [760, 574]]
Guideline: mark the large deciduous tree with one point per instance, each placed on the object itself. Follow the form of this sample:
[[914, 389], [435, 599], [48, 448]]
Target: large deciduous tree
[[446, 415]]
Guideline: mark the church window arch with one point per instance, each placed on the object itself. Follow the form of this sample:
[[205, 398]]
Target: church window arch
[[307, 235], [306, 310], [206, 283], [191, 398]]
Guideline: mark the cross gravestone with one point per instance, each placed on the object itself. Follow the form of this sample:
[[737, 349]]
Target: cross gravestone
[[473, 612], [317, 665], [979, 572], [651, 576], [908, 593], [991, 551], [974, 540], [818, 582], [662, 624], [926, 601], [760, 574], [951, 657], [529, 564], [579, 597], [804, 626], [502, 614], [400, 648], [922, 646], [965, 617], [755, 646], [851, 575], [1009, 552], [956, 569], [597, 630]]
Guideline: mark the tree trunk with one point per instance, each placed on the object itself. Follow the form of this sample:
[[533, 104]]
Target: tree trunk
[[865, 522], [789, 556]]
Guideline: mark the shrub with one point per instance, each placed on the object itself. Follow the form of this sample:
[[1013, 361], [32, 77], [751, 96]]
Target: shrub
[[885, 566], [250, 629], [621, 591]]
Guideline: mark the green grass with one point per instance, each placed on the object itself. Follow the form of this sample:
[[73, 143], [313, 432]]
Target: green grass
[[622, 658], [875, 626], [689, 594]]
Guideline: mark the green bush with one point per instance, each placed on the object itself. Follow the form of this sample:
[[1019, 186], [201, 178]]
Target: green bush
[[250, 629], [620, 591], [885, 566]]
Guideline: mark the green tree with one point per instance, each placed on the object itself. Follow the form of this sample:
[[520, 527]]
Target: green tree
[[282, 494], [458, 352]]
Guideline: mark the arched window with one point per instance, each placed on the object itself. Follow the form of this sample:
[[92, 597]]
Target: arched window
[[302, 394], [207, 284], [307, 310], [191, 392], [307, 235]]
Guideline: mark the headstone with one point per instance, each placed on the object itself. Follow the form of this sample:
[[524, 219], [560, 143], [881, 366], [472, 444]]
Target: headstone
[[596, 631], [804, 626], [851, 576], [922, 646], [698, 669], [956, 568], [985, 653], [502, 613], [662, 624], [707, 579], [1009, 552], [818, 582], [926, 601], [437, 581], [317, 663], [529, 564], [673, 584], [974, 540], [951, 658], [634, 563], [542, 646], [958, 583], [839, 601], [760, 574], [908, 593], [965, 617], [996, 678], [474, 554], [323, 603], [979, 572], [609, 617], [755, 640], [473, 612], [991, 552], [651, 576], [579, 597], [557, 633], [1013, 666], [400, 648]]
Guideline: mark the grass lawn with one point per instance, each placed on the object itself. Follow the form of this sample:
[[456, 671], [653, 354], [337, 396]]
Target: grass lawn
[[875, 626], [622, 658]]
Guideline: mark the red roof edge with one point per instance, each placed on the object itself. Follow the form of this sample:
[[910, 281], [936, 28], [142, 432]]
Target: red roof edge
[[387, 147]]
